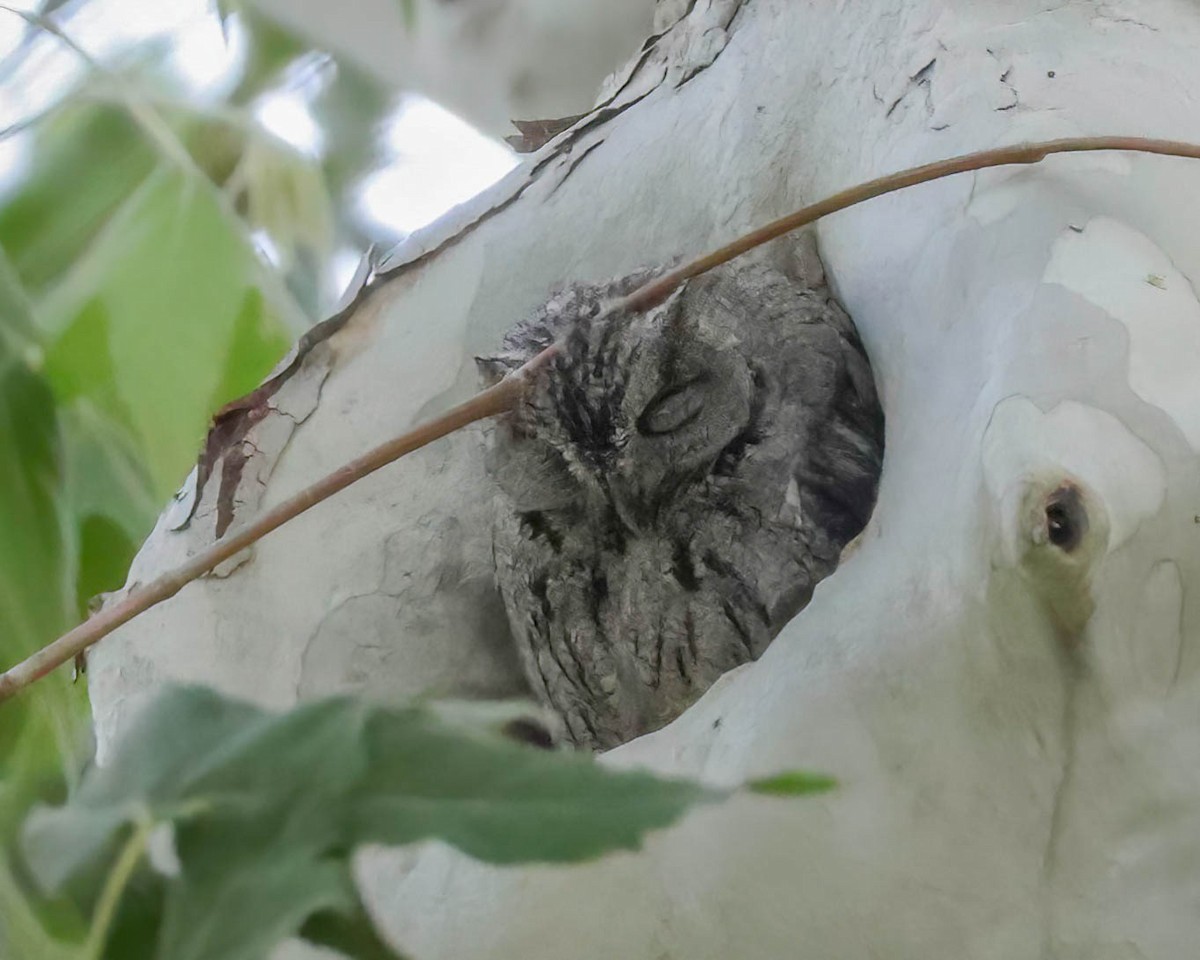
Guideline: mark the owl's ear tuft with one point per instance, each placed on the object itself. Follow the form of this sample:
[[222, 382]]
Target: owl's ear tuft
[[494, 369]]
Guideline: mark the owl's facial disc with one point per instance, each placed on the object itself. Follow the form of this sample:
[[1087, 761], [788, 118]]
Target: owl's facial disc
[[634, 408]]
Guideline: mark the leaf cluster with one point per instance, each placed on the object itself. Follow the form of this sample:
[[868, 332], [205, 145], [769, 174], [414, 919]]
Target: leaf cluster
[[264, 811], [134, 301]]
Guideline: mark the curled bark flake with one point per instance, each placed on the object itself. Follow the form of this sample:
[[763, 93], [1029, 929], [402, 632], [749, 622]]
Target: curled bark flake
[[224, 447], [532, 135]]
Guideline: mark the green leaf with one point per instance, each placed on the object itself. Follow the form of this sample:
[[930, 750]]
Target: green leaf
[[502, 802], [136, 927], [35, 576], [109, 495], [18, 334], [104, 476], [795, 783], [146, 323], [267, 809], [349, 932], [254, 905], [195, 756], [254, 801], [22, 930], [63, 843], [85, 162], [258, 343], [38, 730]]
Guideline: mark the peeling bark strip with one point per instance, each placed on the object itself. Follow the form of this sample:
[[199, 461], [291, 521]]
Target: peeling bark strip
[[234, 421], [532, 135]]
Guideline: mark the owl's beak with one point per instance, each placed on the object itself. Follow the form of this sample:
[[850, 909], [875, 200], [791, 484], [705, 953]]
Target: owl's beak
[[625, 508], [636, 505]]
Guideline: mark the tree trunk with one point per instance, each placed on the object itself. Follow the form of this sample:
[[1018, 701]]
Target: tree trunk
[[1002, 676]]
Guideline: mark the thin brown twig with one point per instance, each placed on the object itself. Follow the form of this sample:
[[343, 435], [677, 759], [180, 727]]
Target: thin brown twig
[[656, 291], [505, 395]]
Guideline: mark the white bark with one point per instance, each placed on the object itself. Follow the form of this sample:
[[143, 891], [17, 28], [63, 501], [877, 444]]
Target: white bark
[[1015, 729]]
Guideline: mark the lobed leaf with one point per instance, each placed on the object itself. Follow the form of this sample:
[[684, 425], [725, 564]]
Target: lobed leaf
[[255, 905], [35, 602], [23, 932], [267, 808], [145, 324], [501, 802], [36, 567], [100, 156]]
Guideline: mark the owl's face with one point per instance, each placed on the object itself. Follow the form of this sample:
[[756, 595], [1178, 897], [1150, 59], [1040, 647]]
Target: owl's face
[[632, 411]]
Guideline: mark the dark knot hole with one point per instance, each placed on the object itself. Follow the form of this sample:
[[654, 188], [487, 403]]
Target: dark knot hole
[[1066, 518]]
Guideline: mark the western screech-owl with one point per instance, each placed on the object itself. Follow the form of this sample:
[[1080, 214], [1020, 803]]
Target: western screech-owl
[[675, 486]]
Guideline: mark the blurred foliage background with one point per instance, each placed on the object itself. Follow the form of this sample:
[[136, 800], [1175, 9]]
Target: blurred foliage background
[[161, 245]]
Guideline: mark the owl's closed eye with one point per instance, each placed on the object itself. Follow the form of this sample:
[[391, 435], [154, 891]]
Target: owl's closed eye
[[674, 407]]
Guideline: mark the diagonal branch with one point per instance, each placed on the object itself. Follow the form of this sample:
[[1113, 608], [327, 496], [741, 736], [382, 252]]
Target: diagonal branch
[[507, 393], [656, 291]]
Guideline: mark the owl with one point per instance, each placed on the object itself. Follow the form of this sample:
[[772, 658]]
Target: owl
[[674, 486]]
